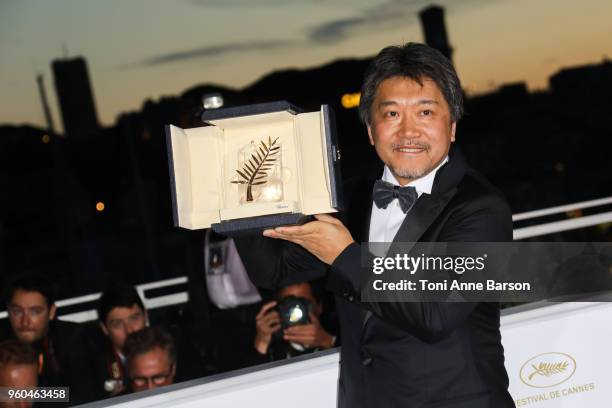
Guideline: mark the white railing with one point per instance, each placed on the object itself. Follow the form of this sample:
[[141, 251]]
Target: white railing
[[563, 225], [150, 303]]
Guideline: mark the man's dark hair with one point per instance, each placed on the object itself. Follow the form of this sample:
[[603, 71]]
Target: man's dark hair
[[317, 288], [16, 352], [32, 282], [118, 296], [417, 62], [147, 339]]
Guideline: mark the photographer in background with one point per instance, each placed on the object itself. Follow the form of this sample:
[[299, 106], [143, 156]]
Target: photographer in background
[[290, 325]]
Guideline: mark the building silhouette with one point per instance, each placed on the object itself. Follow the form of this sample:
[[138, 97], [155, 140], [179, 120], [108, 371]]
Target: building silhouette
[[575, 85], [434, 30], [75, 96]]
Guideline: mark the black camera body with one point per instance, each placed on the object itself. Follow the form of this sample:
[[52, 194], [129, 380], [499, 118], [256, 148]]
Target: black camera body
[[294, 310]]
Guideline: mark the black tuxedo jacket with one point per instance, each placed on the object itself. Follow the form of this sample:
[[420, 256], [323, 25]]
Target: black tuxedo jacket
[[408, 354]]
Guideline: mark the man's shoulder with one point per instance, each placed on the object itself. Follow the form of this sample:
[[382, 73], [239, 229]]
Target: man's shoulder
[[476, 212], [67, 336], [63, 327], [475, 190]]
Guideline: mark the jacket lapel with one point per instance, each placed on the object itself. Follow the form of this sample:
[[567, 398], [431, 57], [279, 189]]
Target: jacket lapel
[[425, 211], [427, 208], [421, 216]]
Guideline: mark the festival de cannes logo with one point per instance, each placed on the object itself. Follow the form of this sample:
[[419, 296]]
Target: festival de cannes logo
[[547, 370]]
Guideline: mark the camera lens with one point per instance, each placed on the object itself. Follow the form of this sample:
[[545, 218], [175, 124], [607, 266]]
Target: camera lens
[[296, 314], [293, 310]]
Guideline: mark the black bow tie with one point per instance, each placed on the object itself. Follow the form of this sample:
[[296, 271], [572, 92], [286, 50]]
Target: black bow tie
[[385, 192]]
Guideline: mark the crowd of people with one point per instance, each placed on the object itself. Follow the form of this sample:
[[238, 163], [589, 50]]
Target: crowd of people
[[123, 353]]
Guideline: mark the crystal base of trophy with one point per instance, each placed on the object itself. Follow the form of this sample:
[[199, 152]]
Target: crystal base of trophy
[[254, 167]]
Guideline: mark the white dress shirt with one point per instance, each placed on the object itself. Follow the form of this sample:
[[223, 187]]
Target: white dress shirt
[[384, 223]]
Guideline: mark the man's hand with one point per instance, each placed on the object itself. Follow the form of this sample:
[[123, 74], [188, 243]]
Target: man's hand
[[267, 322], [310, 335], [325, 238], [117, 390]]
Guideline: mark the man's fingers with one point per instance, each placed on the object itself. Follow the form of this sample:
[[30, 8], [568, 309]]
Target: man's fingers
[[313, 318], [299, 329], [285, 232], [298, 230], [328, 218], [268, 320], [299, 335], [299, 338], [269, 327], [325, 240], [270, 317], [293, 230], [265, 309], [270, 233]]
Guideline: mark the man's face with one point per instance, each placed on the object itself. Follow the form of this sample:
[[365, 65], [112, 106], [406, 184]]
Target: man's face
[[18, 376], [152, 370], [122, 321], [411, 127], [30, 315]]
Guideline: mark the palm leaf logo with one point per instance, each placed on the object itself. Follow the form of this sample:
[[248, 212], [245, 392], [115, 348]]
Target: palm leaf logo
[[254, 170], [548, 369]]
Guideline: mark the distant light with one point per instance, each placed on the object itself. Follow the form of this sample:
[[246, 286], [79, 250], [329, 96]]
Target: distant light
[[100, 206], [212, 101], [46, 139], [146, 135], [351, 100]]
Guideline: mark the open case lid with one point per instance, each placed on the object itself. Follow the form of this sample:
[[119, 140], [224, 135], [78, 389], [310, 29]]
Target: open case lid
[[213, 115], [197, 175]]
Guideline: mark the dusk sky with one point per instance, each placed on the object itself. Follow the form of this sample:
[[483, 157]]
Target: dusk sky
[[138, 49]]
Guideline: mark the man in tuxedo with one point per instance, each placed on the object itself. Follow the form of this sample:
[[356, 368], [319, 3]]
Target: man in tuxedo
[[403, 354]]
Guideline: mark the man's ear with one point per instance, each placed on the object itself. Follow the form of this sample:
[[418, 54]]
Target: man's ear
[[104, 329], [52, 311], [370, 135], [146, 317], [453, 130]]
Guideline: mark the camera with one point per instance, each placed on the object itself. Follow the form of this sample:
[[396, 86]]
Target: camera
[[294, 310]]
